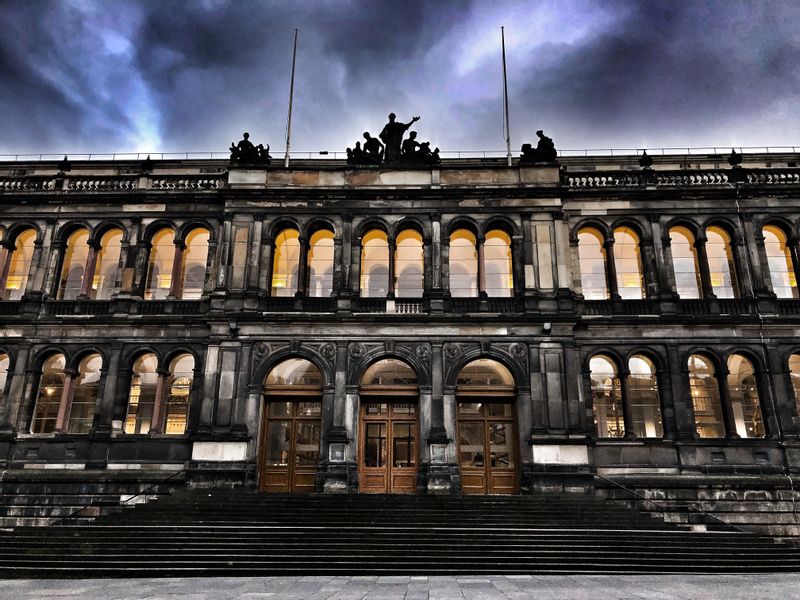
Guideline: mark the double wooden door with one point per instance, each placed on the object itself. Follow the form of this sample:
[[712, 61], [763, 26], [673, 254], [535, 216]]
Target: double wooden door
[[487, 447], [290, 445], [389, 448]]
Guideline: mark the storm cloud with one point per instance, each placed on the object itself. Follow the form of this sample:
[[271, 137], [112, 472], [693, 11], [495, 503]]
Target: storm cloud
[[98, 76]]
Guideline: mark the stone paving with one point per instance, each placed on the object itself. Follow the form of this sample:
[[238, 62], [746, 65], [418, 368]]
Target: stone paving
[[522, 587]]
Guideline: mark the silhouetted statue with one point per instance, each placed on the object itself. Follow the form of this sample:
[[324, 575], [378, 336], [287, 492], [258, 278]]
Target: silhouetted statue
[[373, 149], [735, 159], [392, 136], [545, 150], [409, 147], [645, 160], [246, 153], [65, 166]]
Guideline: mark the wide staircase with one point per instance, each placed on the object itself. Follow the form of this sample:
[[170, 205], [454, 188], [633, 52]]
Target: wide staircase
[[236, 532]]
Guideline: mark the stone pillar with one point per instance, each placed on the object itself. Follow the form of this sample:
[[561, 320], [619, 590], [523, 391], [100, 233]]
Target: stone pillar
[[481, 265], [539, 419], [575, 402], [436, 252], [666, 396], [650, 267], [302, 271], [241, 425], [338, 258], [345, 286], [662, 254], [206, 416], [256, 266], [9, 408], [705, 273], [87, 291], [758, 258], [392, 259], [196, 398], [175, 284], [338, 471], [768, 400], [442, 469], [685, 428], [611, 270], [742, 267], [728, 418], [225, 253], [526, 257], [28, 398], [65, 405], [159, 409], [786, 404], [40, 277], [6, 252], [627, 415], [355, 267], [52, 274], [427, 267], [212, 267], [105, 414], [565, 260], [120, 403], [265, 275]]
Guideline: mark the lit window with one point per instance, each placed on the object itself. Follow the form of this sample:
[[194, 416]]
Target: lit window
[[685, 264], [51, 388], [84, 394], [779, 261], [720, 263], [193, 269], [463, 264], [320, 264], [4, 363], [745, 403], [286, 263], [645, 406], [20, 265], [592, 258], [609, 418], [628, 263], [162, 257], [142, 395], [74, 265], [408, 265], [179, 388], [497, 263], [107, 266], [704, 388], [374, 264]]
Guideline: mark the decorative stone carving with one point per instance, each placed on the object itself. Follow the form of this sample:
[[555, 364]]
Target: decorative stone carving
[[423, 351], [452, 350], [262, 349], [517, 350], [357, 350], [327, 351]]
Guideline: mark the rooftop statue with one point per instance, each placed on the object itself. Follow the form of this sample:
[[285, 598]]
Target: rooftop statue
[[392, 136], [414, 152], [370, 154], [645, 160], [735, 159], [545, 151], [247, 154]]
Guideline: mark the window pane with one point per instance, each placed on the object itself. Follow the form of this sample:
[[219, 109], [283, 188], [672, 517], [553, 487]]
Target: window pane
[[107, 265], [684, 263], [142, 395], [501, 440], [794, 374], [592, 257], [404, 445], [705, 398], [286, 263], [179, 387], [720, 263], [84, 396], [779, 261], [485, 372], [745, 403], [606, 398], [75, 255], [295, 371], [193, 270], [497, 262], [408, 265], [374, 265], [51, 386], [162, 255], [471, 446], [279, 442], [320, 264], [628, 262], [306, 450], [389, 371], [377, 409], [20, 265], [645, 405], [463, 264], [375, 450], [309, 409], [498, 409], [470, 409]]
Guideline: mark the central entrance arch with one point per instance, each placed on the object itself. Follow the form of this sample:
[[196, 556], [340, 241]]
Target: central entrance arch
[[487, 456], [389, 428], [290, 435]]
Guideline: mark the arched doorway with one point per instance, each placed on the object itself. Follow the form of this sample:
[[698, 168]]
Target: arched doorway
[[291, 431], [487, 455], [389, 448]]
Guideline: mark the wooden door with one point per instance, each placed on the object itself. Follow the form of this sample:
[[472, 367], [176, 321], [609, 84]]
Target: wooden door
[[290, 445], [487, 447], [388, 449]]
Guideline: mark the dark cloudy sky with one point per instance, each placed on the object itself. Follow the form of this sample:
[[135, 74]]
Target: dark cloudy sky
[[174, 75]]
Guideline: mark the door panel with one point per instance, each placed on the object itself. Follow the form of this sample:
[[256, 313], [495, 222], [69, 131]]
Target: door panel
[[486, 448], [389, 448], [290, 447]]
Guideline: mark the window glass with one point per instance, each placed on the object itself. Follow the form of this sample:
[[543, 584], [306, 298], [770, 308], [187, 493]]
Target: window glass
[[320, 264], [286, 263], [606, 398], [684, 263], [497, 262], [20, 265], [159, 274], [779, 261], [645, 405], [484, 372], [720, 263], [389, 371], [374, 264], [179, 387], [592, 257], [142, 395], [193, 269], [745, 403], [704, 389], [794, 375], [4, 363], [84, 394], [463, 264], [295, 371], [107, 266], [408, 264], [628, 263], [51, 387], [72, 270]]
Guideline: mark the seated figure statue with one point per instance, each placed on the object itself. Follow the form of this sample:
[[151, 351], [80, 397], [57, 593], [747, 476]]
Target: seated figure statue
[[545, 150], [246, 153]]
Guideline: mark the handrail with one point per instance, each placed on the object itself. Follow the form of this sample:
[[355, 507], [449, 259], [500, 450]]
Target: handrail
[[691, 507], [61, 520]]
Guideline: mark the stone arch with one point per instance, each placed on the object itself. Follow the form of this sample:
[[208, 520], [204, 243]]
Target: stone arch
[[319, 224], [75, 359], [414, 223], [461, 222], [503, 224], [193, 224], [515, 365], [70, 227], [152, 228], [266, 364], [371, 223], [96, 234], [280, 224], [591, 223], [13, 231], [632, 223], [406, 354]]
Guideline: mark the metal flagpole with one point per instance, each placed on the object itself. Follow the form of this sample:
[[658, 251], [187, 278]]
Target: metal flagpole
[[291, 99], [506, 123]]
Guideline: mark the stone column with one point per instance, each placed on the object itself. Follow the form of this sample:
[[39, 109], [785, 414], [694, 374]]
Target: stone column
[[575, 402], [539, 419], [6, 252], [159, 410], [338, 258], [651, 273], [436, 252], [526, 257], [662, 253], [212, 267], [728, 418], [742, 267], [206, 416], [256, 266], [87, 291], [481, 240], [40, 277], [302, 272], [241, 425], [28, 398], [685, 428], [566, 253], [355, 267], [427, 267], [666, 396], [175, 284], [758, 258], [65, 405], [705, 273], [611, 270], [345, 286], [9, 408], [392, 259], [52, 274], [627, 415], [225, 253], [785, 402], [120, 403], [265, 274], [105, 414]]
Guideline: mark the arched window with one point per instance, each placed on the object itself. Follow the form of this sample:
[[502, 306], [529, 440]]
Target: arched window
[[485, 373], [794, 376], [497, 262], [107, 266], [51, 389], [408, 265], [463, 264], [320, 264], [628, 263], [643, 398], [193, 264], [745, 403], [142, 395], [609, 417], [4, 364], [295, 374], [19, 265], [162, 257], [685, 264], [720, 262], [84, 394], [592, 258], [704, 389], [374, 264], [388, 373], [779, 260], [286, 263], [73, 269], [178, 388]]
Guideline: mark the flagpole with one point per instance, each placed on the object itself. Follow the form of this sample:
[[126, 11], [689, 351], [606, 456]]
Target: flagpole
[[506, 122], [291, 99]]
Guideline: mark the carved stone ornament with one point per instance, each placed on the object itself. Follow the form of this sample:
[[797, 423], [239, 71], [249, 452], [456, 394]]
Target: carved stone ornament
[[327, 351], [423, 351], [452, 350], [357, 350], [517, 350], [262, 349]]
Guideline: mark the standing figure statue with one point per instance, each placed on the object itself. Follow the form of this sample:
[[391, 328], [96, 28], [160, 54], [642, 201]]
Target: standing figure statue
[[392, 136], [373, 149]]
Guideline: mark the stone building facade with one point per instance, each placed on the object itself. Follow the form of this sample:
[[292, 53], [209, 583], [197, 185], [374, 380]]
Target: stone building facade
[[462, 328]]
